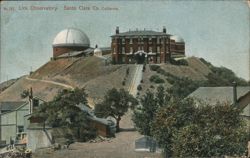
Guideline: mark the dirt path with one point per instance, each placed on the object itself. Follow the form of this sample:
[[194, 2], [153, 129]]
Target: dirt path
[[51, 82]]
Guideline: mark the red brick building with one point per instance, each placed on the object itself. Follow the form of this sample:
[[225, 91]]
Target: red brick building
[[145, 46]]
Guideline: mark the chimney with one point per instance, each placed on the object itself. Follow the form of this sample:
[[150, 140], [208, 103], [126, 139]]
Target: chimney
[[96, 46], [234, 93], [117, 30], [164, 29]]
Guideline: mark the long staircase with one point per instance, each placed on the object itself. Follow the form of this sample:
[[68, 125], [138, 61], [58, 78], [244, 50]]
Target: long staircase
[[136, 80]]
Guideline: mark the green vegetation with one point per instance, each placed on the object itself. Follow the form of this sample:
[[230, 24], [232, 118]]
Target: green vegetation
[[184, 130], [25, 93], [156, 79], [222, 76], [182, 87], [145, 113], [139, 87], [115, 104], [179, 62], [154, 67], [63, 112]]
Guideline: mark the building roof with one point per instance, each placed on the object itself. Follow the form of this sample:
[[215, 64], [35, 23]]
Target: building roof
[[10, 105], [141, 33], [71, 54], [97, 50], [105, 49], [71, 37], [246, 111], [177, 39], [212, 95]]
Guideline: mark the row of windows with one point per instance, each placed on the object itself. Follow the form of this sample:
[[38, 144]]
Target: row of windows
[[141, 40], [150, 49], [140, 48]]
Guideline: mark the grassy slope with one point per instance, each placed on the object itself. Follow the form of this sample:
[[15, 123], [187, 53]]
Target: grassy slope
[[196, 70], [96, 77], [89, 71]]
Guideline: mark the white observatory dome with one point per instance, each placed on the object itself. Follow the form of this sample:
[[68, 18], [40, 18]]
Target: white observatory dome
[[177, 39], [97, 52], [71, 37]]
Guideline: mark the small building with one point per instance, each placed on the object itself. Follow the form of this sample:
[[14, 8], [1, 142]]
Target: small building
[[148, 46], [105, 127], [97, 52], [12, 122], [235, 96]]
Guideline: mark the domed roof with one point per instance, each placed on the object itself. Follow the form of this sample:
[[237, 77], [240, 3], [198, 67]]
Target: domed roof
[[97, 50], [71, 37], [177, 39]]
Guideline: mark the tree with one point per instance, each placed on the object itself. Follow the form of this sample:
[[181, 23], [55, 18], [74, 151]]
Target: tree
[[185, 130], [144, 114], [115, 104], [63, 112]]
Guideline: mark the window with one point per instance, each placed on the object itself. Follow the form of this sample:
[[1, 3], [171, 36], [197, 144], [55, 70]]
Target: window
[[158, 40], [123, 50], [131, 49], [150, 49], [158, 49], [123, 59], [130, 41], [20, 129], [35, 103], [150, 39], [123, 40]]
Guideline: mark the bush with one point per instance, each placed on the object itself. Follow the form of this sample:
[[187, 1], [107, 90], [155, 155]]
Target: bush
[[154, 67], [170, 80], [141, 81], [123, 82], [25, 93], [179, 62], [156, 79], [127, 71], [139, 87], [151, 86]]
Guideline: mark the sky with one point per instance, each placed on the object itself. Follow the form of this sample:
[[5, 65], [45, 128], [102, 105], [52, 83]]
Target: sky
[[217, 31]]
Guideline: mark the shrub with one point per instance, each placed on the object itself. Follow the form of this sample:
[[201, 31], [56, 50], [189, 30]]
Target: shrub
[[154, 67], [127, 71], [141, 81], [170, 80], [25, 93], [139, 87], [156, 79], [179, 62], [151, 86]]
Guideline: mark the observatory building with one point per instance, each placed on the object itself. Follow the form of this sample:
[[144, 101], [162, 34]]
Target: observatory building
[[148, 46], [70, 41]]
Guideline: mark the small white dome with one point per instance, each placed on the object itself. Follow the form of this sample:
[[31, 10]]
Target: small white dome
[[71, 37], [97, 50], [177, 39]]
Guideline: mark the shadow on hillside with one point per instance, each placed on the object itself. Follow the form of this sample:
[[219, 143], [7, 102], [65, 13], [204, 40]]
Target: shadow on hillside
[[127, 129]]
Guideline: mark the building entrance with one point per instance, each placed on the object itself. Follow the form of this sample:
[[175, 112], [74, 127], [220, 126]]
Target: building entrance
[[140, 57]]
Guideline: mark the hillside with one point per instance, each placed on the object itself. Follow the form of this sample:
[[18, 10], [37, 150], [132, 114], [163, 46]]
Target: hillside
[[91, 73], [97, 77]]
